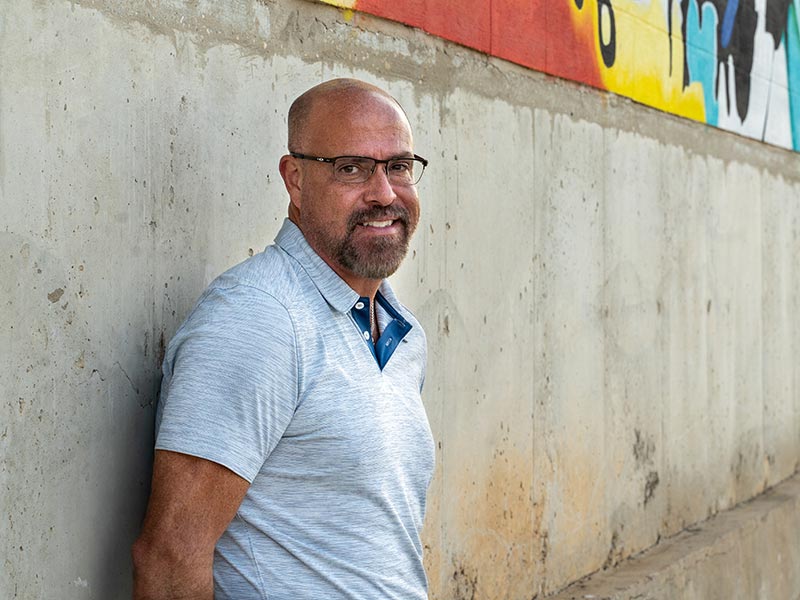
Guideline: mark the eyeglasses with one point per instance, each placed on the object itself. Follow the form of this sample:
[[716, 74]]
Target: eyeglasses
[[404, 170]]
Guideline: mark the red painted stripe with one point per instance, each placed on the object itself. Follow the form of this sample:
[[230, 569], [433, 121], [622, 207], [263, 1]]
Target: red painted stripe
[[465, 22], [519, 31]]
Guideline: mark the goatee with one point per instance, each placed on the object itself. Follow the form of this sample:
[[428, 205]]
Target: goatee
[[381, 256]]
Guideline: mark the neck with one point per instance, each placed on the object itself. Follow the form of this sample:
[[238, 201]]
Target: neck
[[360, 285], [366, 289]]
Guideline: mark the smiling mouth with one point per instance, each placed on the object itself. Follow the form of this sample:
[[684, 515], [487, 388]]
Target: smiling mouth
[[377, 224], [386, 220]]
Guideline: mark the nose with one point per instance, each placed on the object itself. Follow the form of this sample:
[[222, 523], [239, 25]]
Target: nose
[[380, 190]]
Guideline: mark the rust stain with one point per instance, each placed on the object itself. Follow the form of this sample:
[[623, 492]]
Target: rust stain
[[573, 516], [432, 530], [466, 583], [490, 529]]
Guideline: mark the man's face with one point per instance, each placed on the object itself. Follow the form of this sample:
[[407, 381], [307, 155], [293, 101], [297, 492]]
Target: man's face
[[361, 230]]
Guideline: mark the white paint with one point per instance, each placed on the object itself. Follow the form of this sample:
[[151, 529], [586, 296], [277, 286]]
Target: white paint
[[778, 129]]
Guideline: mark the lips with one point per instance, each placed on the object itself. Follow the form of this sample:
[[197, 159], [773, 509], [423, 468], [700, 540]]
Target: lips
[[379, 218]]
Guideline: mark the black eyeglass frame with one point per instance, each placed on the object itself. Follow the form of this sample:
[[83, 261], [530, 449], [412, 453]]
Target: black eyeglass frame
[[332, 160]]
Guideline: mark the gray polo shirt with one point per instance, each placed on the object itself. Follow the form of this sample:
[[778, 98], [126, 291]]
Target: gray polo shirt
[[272, 377]]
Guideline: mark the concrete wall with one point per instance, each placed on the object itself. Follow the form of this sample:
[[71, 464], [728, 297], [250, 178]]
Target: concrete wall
[[750, 553], [609, 292]]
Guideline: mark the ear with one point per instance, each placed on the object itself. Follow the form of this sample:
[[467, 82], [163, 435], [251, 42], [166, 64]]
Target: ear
[[292, 176]]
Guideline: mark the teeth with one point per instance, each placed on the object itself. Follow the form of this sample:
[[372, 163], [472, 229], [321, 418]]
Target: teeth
[[377, 223]]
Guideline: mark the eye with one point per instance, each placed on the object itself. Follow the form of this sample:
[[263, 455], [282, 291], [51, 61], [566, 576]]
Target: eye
[[351, 168], [401, 166]]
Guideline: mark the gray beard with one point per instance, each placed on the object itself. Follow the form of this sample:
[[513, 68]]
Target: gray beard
[[380, 260], [383, 256]]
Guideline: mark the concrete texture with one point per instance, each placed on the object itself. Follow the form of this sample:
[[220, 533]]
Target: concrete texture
[[610, 292], [745, 553]]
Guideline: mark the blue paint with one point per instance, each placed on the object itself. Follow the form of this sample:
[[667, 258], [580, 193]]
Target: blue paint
[[701, 55], [792, 42], [727, 22]]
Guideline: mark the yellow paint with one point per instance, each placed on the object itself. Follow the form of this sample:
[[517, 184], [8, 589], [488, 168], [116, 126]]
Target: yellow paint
[[347, 7], [641, 70]]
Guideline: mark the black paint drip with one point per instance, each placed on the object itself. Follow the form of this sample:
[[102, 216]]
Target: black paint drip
[[736, 38]]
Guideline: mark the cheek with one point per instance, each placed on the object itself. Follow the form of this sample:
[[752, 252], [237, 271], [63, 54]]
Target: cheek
[[412, 204], [334, 220], [324, 208]]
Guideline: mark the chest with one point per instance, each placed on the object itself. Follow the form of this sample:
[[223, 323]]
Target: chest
[[353, 419]]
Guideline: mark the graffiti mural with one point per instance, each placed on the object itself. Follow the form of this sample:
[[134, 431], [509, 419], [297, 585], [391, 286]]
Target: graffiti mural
[[734, 64]]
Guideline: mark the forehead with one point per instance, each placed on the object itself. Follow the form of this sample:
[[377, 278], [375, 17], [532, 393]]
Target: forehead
[[358, 124]]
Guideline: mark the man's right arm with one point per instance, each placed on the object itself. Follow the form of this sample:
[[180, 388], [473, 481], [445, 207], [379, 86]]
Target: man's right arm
[[191, 503]]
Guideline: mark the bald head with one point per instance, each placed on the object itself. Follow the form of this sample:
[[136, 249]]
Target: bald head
[[336, 97]]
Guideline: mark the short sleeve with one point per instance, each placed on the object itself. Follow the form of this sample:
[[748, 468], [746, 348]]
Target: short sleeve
[[230, 380]]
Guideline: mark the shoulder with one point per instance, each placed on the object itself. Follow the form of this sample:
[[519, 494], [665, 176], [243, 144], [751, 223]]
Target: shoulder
[[248, 306], [271, 273], [266, 285]]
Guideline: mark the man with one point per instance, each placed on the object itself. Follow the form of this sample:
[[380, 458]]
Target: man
[[293, 453]]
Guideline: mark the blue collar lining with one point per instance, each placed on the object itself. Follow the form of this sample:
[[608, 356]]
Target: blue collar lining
[[392, 334]]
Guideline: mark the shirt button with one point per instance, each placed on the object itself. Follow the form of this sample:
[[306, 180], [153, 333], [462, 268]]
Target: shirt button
[[366, 335], [359, 305]]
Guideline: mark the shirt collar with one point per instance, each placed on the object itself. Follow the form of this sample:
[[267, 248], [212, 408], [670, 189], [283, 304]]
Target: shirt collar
[[332, 287], [387, 292]]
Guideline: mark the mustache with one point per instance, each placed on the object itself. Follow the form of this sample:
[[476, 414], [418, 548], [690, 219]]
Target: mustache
[[379, 213]]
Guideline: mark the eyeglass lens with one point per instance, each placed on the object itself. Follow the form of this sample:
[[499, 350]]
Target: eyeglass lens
[[402, 171]]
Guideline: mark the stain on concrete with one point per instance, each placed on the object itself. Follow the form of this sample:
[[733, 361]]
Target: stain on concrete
[[616, 552], [465, 580], [545, 547], [643, 449], [492, 533], [55, 295], [162, 349], [445, 328], [650, 485]]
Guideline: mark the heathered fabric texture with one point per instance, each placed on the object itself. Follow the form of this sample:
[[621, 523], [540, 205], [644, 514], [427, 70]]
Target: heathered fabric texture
[[270, 376]]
